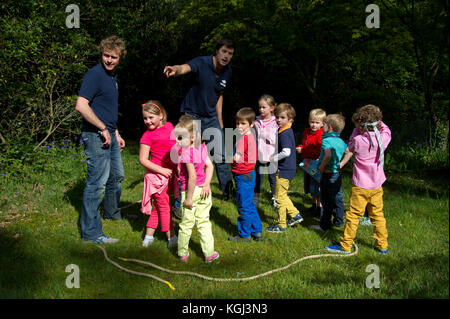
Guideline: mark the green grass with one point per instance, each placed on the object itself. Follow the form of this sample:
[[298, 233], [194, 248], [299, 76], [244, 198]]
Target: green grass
[[39, 237]]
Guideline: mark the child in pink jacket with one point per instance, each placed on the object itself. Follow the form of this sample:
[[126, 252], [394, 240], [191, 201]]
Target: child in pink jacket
[[368, 142], [267, 133]]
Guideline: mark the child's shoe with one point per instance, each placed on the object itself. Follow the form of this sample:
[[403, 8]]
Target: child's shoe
[[148, 240], [316, 227], [184, 258], [382, 251], [337, 249], [257, 237], [239, 238], [295, 220], [275, 229], [214, 256], [365, 221], [172, 242]]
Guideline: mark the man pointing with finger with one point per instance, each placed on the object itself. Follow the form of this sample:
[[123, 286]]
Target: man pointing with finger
[[204, 99]]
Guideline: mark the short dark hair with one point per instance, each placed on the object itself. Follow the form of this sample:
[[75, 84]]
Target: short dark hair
[[225, 42], [246, 114]]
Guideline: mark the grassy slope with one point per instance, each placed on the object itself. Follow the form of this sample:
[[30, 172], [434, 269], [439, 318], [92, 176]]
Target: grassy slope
[[39, 238]]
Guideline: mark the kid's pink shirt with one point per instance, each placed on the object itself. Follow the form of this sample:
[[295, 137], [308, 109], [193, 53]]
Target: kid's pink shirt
[[367, 171], [161, 141], [197, 156], [267, 140]]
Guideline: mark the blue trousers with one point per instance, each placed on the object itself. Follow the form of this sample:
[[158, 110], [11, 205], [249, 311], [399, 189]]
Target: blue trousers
[[104, 174], [331, 197], [248, 222]]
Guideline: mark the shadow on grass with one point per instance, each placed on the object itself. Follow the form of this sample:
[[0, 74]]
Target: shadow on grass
[[21, 272]]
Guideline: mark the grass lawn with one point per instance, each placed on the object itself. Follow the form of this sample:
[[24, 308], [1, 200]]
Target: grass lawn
[[39, 238]]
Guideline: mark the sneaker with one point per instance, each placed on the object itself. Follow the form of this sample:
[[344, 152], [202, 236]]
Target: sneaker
[[275, 229], [176, 212], [214, 256], [382, 251], [256, 200], [103, 239], [184, 258], [316, 227], [172, 242], [147, 241], [274, 202], [295, 220], [239, 238], [365, 221], [257, 237], [337, 249]]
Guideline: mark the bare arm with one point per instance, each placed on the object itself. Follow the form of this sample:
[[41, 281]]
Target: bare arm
[[192, 181], [144, 152], [206, 190], [347, 156], [82, 106], [219, 109], [176, 70], [325, 160]]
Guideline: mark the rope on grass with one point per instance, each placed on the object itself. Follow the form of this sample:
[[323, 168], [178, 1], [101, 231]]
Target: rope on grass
[[214, 278]]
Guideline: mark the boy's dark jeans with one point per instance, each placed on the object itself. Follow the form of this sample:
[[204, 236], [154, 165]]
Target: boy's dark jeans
[[332, 200]]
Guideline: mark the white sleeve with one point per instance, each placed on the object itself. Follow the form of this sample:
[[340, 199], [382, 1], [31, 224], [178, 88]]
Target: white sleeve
[[283, 154]]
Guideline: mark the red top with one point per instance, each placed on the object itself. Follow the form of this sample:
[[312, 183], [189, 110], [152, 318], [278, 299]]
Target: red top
[[311, 143], [246, 146]]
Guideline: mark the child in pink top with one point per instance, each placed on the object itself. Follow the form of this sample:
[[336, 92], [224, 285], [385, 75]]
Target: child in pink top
[[368, 142], [160, 173], [266, 133], [195, 189]]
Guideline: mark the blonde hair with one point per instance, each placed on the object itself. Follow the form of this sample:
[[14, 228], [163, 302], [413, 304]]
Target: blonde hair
[[155, 107], [317, 114], [246, 113], [337, 121], [285, 107], [187, 122], [113, 43]]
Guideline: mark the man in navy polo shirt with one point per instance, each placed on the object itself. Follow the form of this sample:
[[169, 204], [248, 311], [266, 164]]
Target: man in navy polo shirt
[[98, 105], [204, 99]]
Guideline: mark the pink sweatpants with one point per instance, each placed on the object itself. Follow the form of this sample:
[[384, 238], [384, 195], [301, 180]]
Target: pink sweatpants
[[161, 211]]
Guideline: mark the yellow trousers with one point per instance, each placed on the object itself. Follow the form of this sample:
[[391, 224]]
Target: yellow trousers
[[359, 199], [198, 215], [284, 203]]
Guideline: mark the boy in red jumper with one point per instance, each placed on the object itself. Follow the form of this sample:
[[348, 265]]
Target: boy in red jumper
[[310, 149]]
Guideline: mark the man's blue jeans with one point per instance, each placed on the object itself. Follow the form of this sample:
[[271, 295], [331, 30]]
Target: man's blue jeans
[[104, 174], [218, 157], [248, 222], [331, 197]]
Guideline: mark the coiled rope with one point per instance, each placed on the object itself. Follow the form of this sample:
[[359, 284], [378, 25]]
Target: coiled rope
[[212, 278]]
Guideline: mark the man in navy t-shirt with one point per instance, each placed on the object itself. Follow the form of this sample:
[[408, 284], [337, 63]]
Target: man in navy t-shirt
[[204, 99], [98, 105]]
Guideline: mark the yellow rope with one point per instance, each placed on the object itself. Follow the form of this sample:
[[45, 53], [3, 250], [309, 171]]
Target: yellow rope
[[213, 278]]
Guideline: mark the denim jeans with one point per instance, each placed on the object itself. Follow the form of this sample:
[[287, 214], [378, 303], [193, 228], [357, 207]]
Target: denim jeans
[[260, 178], [331, 197], [248, 221], [104, 174], [218, 157]]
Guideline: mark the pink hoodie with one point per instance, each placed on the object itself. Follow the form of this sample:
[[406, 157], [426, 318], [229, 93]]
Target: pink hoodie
[[266, 134]]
